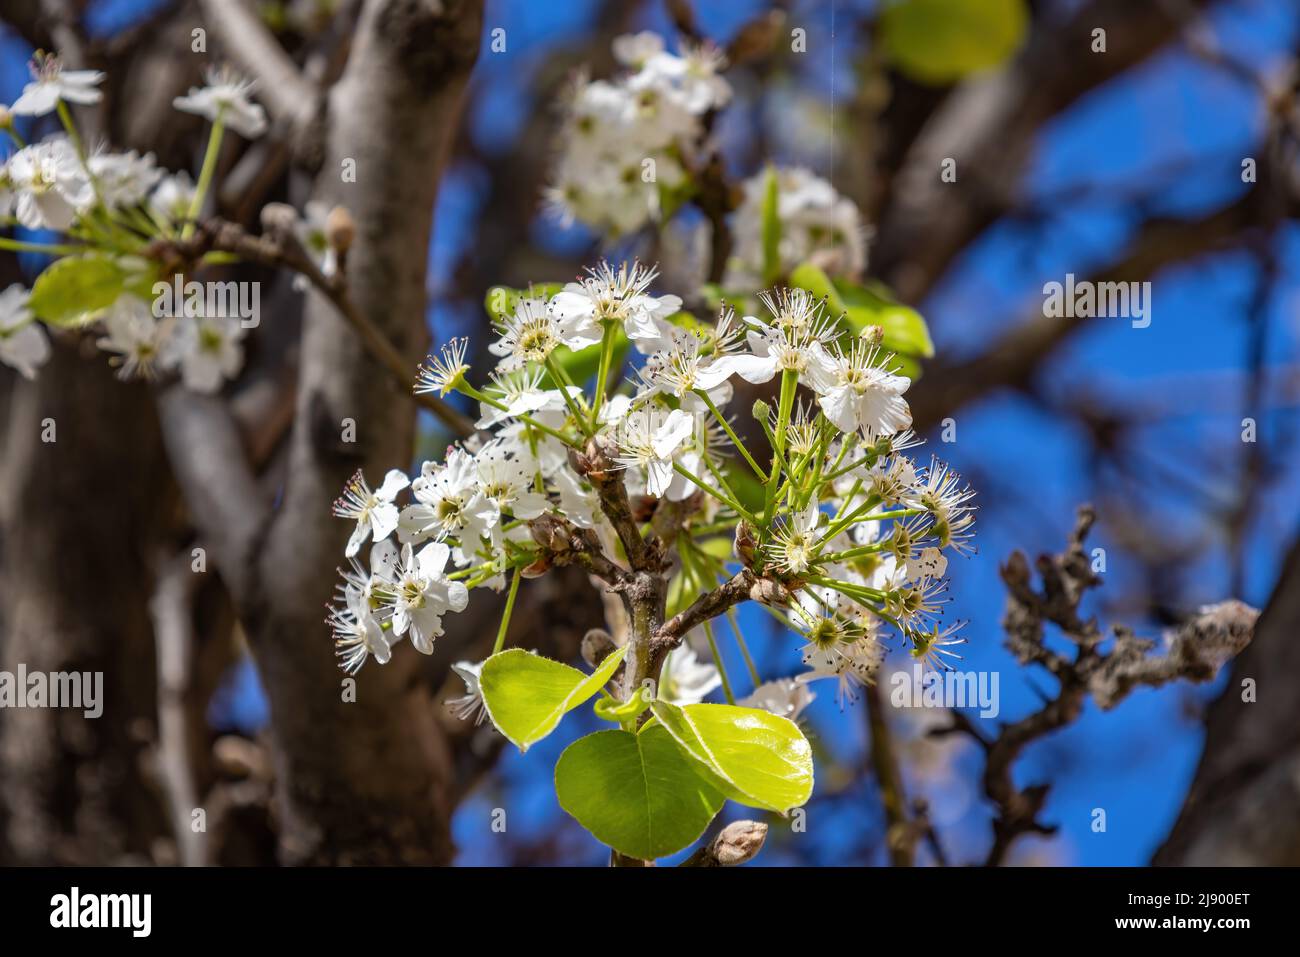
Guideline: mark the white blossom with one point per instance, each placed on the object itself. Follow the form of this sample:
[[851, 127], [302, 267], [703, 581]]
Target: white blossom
[[134, 337], [225, 97], [817, 224], [50, 184], [619, 295], [421, 594], [856, 392], [51, 83], [786, 697], [375, 512], [470, 705], [124, 179], [22, 341], [687, 680], [648, 439], [206, 350], [448, 501]]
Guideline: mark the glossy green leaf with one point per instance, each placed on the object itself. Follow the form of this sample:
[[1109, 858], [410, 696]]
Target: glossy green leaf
[[873, 304], [747, 487], [71, 290], [526, 695], [941, 41], [755, 758], [637, 793], [906, 333]]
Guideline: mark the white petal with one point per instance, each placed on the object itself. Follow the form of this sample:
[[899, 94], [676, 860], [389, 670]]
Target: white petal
[[359, 535], [838, 408], [754, 369], [383, 520], [394, 482], [433, 559]]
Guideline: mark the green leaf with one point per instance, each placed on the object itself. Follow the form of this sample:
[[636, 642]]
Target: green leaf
[[526, 695], [771, 225], [637, 793], [874, 305], [940, 41], [906, 334], [755, 758], [71, 290], [747, 487]]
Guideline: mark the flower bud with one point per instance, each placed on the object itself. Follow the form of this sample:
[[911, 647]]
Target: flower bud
[[738, 843], [761, 410], [873, 334], [279, 218], [537, 569], [340, 230], [597, 644], [745, 542]]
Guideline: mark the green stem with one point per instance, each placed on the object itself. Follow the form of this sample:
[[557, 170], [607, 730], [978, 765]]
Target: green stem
[[734, 621], [561, 380], [53, 249], [854, 552], [722, 420], [710, 490], [205, 176], [602, 372], [505, 617], [846, 588], [466, 389], [65, 117], [789, 382], [717, 660]]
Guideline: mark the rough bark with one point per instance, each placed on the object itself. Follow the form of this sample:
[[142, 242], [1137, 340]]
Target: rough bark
[[81, 515], [368, 781], [1242, 805]]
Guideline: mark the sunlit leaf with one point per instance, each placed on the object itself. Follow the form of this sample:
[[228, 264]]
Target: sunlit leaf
[[637, 793], [526, 695], [754, 757], [941, 41]]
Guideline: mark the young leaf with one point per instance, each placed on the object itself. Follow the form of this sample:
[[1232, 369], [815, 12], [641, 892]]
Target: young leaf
[[637, 793], [755, 758], [940, 41], [526, 695], [771, 228], [72, 288], [906, 333]]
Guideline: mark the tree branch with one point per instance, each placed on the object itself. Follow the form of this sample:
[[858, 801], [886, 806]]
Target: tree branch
[[278, 247], [1197, 651]]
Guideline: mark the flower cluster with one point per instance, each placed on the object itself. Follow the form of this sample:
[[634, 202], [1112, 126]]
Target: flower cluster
[[112, 205], [627, 143], [840, 535]]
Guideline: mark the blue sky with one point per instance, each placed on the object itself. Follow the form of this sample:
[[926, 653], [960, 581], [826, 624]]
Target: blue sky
[[1170, 113]]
